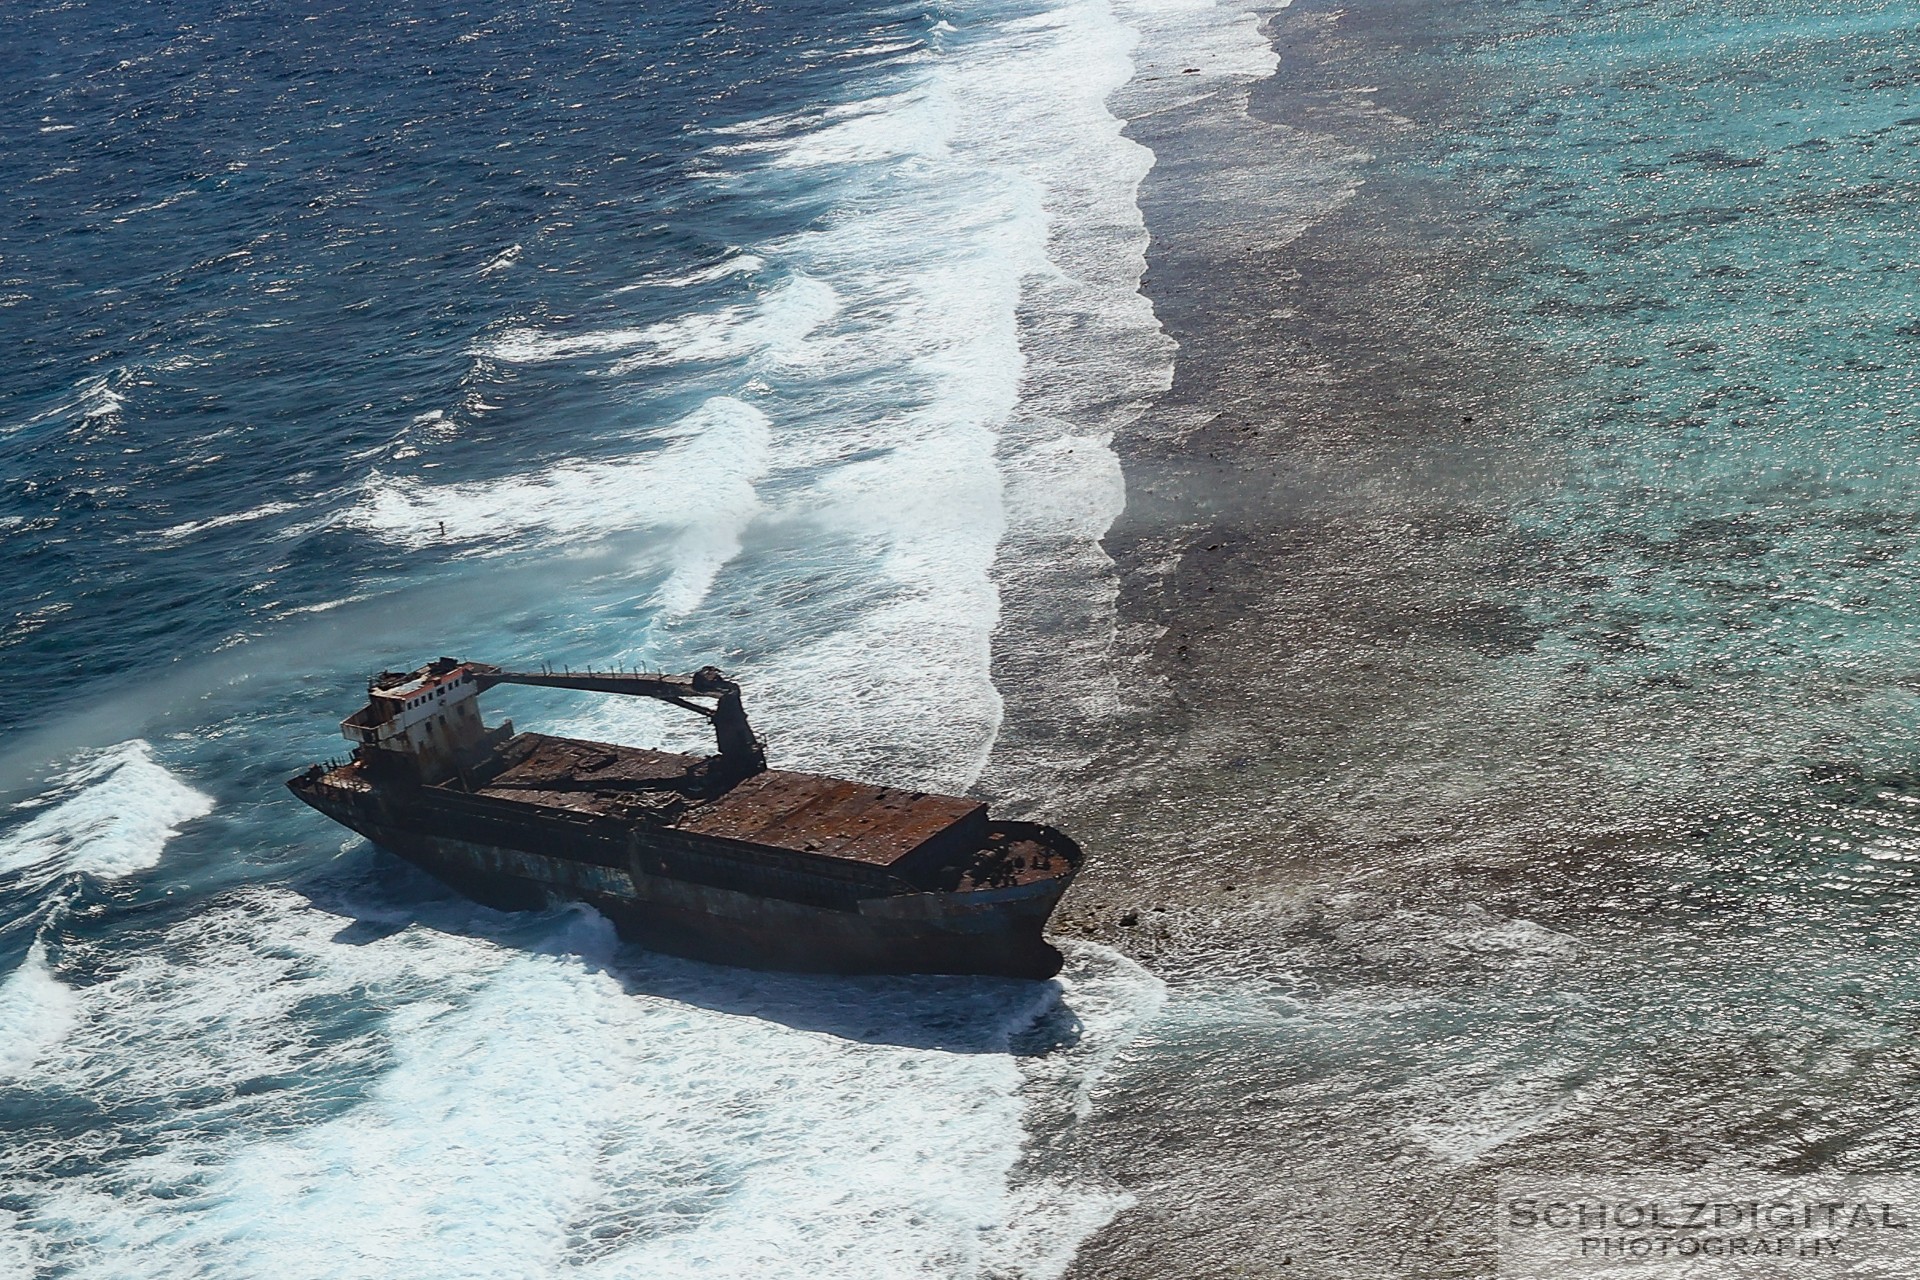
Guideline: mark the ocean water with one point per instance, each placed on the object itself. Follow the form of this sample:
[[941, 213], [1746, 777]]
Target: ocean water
[[788, 340], [1501, 672]]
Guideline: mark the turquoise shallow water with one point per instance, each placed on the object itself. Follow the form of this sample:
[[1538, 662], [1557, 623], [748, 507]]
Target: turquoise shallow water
[[1719, 276], [1718, 206]]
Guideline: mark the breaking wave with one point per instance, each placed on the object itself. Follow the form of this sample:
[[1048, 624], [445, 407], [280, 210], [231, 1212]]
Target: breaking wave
[[110, 815]]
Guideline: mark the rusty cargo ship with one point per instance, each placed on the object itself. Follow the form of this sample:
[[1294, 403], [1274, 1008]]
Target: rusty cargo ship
[[713, 857]]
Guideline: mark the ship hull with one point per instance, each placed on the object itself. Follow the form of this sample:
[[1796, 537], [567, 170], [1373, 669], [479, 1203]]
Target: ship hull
[[991, 932]]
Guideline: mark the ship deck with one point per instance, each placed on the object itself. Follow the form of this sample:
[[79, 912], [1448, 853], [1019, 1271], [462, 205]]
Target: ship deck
[[935, 842], [798, 812], [588, 777]]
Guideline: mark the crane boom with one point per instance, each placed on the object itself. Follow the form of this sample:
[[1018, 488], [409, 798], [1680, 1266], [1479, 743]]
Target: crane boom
[[741, 753]]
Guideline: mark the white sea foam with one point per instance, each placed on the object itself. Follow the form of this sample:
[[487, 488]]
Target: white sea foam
[[117, 810], [918, 122], [774, 325], [697, 491], [553, 1106], [743, 264], [192, 528], [774, 330], [95, 399], [19, 1252], [36, 1012], [533, 346], [99, 399], [502, 260]]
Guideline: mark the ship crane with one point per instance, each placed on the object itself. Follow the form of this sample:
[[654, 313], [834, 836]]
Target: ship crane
[[741, 753]]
